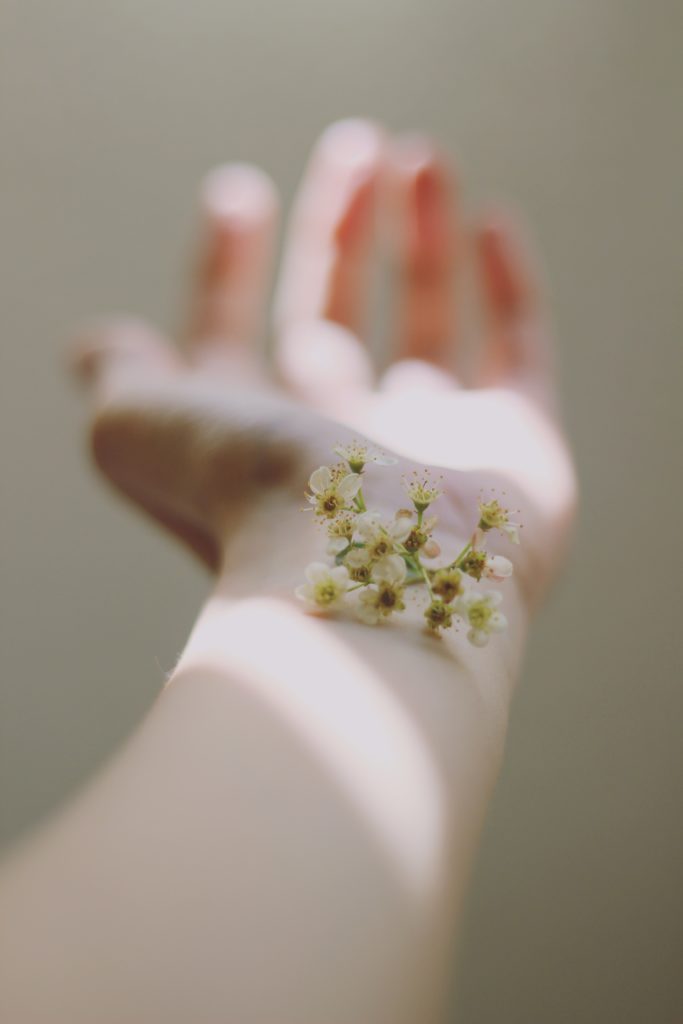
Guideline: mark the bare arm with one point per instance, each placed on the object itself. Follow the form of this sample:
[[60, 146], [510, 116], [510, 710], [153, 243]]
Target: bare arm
[[287, 836]]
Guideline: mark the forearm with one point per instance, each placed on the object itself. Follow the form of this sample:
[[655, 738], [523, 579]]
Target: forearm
[[286, 837]]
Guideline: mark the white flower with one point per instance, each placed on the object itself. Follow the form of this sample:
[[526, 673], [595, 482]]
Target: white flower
[[497, 567], [385, 594], [492, 516], [380, 538], [438, 615], [331, 493], [422, 491], [359, 563], [326, 585], [340, 531], [480, 612], [479, 564], [358, 455], [419, 538], [447, 583]]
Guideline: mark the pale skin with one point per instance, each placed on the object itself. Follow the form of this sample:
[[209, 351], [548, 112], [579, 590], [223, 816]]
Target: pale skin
[[287, 836]]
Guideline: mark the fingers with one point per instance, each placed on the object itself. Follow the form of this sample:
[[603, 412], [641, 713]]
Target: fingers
[[111, 355], [426, 237], [327, 259], [517, 352], [239, 210], [329, 240]]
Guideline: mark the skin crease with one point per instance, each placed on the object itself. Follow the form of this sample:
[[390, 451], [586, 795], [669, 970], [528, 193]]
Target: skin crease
[[288, 834]]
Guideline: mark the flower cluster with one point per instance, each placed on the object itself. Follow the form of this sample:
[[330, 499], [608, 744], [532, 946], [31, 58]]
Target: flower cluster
[[374, 559]]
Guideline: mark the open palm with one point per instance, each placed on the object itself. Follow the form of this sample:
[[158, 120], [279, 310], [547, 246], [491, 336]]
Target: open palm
[[197, 436]]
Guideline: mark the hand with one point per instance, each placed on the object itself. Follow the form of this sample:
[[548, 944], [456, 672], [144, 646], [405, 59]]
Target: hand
[[200, 437]]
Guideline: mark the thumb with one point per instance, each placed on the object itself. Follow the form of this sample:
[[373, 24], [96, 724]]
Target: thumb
[[125, 365], [110, 355]]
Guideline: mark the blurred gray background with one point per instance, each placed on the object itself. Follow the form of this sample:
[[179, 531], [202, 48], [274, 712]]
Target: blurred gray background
[[109, 115]]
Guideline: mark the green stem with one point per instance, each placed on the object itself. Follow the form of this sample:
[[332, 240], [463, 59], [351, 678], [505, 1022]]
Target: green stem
[[359, 501], [425, 574], [456, 563], [411, 562]]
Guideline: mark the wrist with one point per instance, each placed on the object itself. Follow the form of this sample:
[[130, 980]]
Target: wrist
[[266, 552]]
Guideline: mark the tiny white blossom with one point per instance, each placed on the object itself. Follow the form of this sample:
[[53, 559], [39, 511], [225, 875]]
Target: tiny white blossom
[[385, 594], [358, 455], [326, 586], [419, 538], [380, 538], [480, 611], [447, 583], [359, 563], [331, 493], [492, 516], [422, 491], [481, 565], [340, 532]]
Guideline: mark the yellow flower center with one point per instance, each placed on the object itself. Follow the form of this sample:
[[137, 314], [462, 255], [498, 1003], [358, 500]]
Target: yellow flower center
[[448, 584], [438, 615], [479, 615], [325, 593], [492, 515]]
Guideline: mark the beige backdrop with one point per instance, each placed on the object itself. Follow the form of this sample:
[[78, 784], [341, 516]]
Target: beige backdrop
[[110, 113]]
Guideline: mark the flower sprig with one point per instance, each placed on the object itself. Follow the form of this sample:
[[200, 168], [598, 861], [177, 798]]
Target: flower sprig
[[375, 558]]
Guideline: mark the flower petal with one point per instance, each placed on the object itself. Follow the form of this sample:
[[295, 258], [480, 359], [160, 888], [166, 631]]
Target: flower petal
[[357, 557], [336, 545], [478, 637], [431, 549], [498, 567], [366, 526], [497, 622], [366, 608], [349, 485], [511, 530], [316, 572], [320, 479], [340, 576], [391, 568], [398, 529], [463, 603]]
